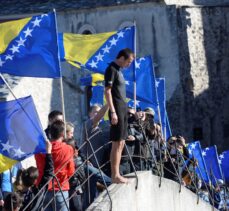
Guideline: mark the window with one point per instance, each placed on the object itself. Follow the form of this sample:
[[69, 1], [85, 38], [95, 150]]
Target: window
[[126, 24], [87, 29]]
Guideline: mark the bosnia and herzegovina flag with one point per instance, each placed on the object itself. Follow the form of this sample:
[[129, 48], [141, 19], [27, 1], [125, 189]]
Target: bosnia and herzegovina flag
[[21, 134], [28, 47], [95, 51]]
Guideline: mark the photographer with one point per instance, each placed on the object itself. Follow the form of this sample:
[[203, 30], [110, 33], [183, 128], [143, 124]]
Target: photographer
[[178, 154], [133, 139], [156, 141]]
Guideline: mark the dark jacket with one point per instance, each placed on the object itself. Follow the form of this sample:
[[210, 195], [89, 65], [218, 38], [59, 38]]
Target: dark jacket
[[177, 162], [31, 195]]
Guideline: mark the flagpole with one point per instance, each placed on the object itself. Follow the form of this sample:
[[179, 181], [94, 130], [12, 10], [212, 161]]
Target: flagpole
[[61, 79], [159, 116], [158, 106], [135, 53], [8, 86]]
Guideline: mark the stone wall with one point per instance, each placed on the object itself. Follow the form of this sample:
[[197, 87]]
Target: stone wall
[[189, 45], [156, 32], [202, 100], [190, 49]]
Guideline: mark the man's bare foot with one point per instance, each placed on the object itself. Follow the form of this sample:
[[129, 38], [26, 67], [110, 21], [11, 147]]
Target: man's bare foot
[[119, 180]]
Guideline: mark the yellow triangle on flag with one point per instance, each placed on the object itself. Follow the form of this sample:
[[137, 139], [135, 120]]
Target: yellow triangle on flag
[[6, 163], [81, 47], [96, 77], [9, 31]]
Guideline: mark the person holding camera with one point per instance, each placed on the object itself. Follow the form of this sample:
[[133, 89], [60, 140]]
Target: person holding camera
[[134, 138], [156, 142], [178, 154]]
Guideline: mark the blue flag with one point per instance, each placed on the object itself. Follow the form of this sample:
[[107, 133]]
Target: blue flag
[[21, 134], [145, 81], [1, 81], [145, 78], [211, 159], [224, 162], [95, 51], [97, 95], [195, 151], [158, 93], [28, 47]]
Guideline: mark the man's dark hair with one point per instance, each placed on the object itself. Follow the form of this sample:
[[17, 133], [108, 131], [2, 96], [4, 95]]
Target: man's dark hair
[[126, 53], [12, 201], [56, 129], [53, 114], [29, 176]]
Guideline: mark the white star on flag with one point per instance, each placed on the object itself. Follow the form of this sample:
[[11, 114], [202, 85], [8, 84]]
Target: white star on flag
[[28, 32], [14, 49], [113, 41], [93, 64], [18, 152], [21, 42], [193, 145], [204, 153], [157, 83], [190, 151], [137, 102], [99, 57], [120, 34], [127, 82], [137, 65], [106, 49], [221, 156], [1, 62], [9, 57], [36, 22], [6, 146], [220, 161]]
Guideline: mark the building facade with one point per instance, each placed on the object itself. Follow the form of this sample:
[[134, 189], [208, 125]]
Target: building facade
[[189, 47]]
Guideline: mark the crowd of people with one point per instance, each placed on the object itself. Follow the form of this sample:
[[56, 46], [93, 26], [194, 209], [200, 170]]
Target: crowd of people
[[82, 168], [73, 172]]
